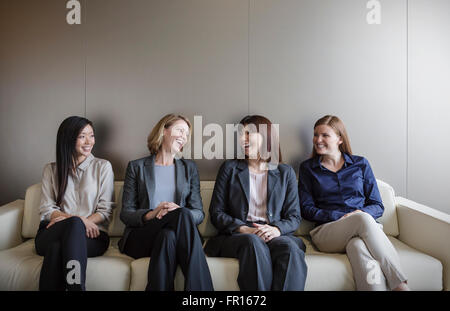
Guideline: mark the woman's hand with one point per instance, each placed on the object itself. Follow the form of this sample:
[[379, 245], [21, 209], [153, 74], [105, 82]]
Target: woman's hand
[[266, 232], [165, 207], [355, 211], [55, 220], [92, 230], [160, 211], [246, 229]]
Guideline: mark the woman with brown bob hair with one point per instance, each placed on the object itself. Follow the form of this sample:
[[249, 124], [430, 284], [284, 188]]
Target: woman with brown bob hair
[[256, 210], [338, 191], [161, 208]]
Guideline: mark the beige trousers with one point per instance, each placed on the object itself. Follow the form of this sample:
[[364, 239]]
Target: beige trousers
[[374, 260]]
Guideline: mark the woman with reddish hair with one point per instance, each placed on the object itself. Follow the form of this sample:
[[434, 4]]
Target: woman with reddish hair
[[339, 192]]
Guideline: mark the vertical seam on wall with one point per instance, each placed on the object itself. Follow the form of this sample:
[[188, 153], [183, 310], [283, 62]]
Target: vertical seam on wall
[[248, 57], [85, 56], [407, 98]]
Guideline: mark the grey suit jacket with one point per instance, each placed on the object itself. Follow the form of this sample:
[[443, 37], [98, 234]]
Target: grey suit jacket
[[230, 199], [139, 189]]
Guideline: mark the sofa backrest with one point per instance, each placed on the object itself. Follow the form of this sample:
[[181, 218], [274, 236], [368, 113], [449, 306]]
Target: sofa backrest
[[33, 196]]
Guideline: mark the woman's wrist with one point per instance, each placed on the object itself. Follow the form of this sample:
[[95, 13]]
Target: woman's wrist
[[150, 215]]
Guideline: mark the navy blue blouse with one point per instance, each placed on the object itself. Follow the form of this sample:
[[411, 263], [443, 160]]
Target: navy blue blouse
[[326, 196]]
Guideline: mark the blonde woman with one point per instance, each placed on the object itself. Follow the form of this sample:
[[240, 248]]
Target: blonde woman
[[339, 192], [161, 208]]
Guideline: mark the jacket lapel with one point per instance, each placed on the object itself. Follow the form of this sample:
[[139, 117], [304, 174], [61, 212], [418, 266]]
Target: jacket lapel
[[273, 178], [149, 175], [244, 179], [181, 179]]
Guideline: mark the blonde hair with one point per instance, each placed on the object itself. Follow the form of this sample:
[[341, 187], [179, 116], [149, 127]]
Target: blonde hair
[[338, 126], [155, 139]]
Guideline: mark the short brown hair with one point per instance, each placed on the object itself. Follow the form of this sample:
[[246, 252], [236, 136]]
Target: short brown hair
[[259, 121], [338, 126], [155, 138]]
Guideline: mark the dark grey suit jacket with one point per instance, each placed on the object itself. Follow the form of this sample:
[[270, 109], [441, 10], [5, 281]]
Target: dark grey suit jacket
[[229, 203], [139, 189]]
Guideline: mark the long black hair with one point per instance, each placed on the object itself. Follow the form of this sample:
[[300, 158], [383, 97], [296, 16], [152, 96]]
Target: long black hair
[[66, 154]]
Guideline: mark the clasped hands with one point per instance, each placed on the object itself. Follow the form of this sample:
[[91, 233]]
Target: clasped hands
[[92, 230], [160, 211], [265, 232]]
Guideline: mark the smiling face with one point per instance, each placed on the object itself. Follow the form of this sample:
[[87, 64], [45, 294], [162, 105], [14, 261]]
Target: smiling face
[[175, 136], [85, 142], [326, 141], [251, 142]]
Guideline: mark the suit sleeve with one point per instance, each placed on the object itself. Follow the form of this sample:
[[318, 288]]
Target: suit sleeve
[[130, 214], [194, 200], [48, 197], [219, 204], [373, 204], [106, 202], [290, 213]]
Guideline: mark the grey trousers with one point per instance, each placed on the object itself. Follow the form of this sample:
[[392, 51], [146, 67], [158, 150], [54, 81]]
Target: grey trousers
[[374, 260]]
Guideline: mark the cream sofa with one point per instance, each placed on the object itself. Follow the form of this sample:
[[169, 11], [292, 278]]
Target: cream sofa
[[420, 234]]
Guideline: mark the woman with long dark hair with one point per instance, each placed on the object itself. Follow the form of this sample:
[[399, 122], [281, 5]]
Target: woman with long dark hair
[[255, 207], [161, 208], [76, 205], [338, 191]]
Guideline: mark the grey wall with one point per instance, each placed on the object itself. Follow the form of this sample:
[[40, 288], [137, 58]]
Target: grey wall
[[131, 62], [429, 103]]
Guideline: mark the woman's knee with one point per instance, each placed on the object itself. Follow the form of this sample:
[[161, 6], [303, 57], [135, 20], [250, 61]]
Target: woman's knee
[[168, 236], [285, 245], [184, 213], [354, 246], [75, 226], [75, 221], [252, 241], [365, 220]]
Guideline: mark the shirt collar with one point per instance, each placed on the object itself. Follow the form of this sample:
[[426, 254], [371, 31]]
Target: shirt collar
[[86, 162], [347, 161]]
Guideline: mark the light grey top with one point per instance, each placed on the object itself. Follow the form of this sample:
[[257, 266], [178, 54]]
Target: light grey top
[[90, 190], [165, 185], [257, 207]]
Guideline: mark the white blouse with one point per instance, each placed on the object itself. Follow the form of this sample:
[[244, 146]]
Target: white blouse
[[90, 190], [257, 208]]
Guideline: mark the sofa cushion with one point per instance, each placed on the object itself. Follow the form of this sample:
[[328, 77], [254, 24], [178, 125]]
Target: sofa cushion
[[20, 268], [31, 217], [389, 218], [323, 274], [424, 272], [224, 272], [116, 226], [326, 271]]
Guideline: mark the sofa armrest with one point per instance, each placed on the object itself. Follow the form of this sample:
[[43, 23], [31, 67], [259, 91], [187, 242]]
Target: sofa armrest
[[11, 216], [427, 230]]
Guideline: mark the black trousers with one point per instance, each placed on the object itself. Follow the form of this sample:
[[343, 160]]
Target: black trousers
[[170, 241], [61, 245], [277, 265]]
